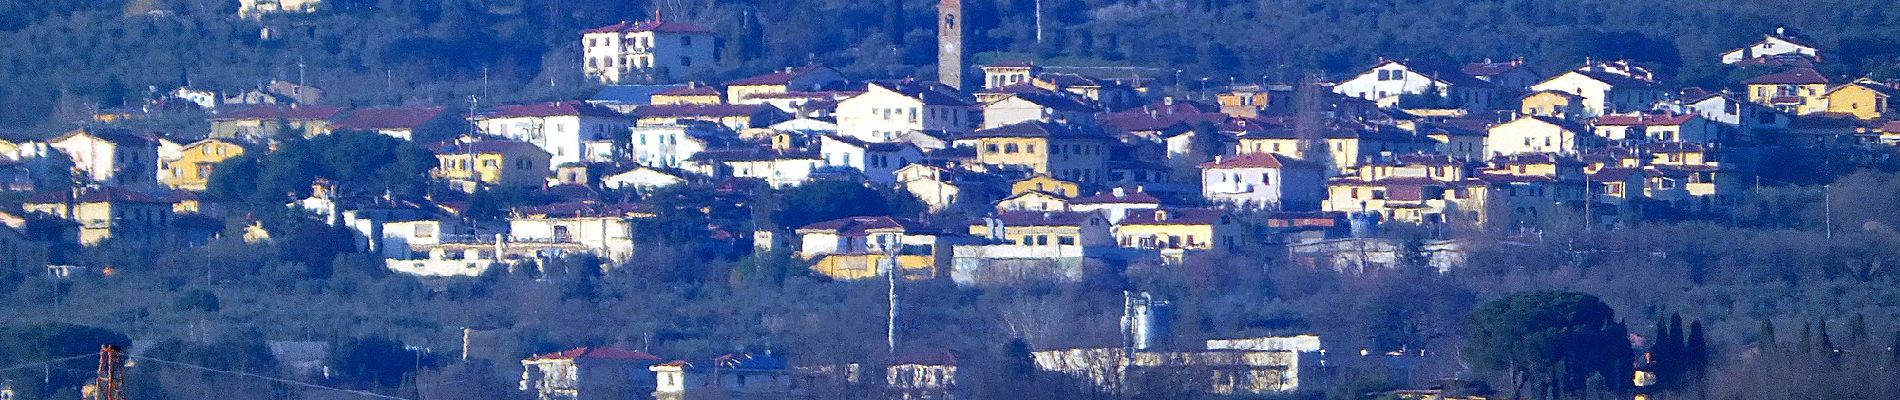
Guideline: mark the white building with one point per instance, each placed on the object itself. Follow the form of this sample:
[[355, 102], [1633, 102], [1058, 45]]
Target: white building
[[878, 162], [889, 110], [257, 8], [1039, 106], [1115, 203], [1384, 83], [1772, 45], [603, 229], [1535, 134], [113, 157], [1603, 91], [565, 129], [670, 145], [641, 178], [1688, 128], [646, 50], [1747, 117], [1262, 181]]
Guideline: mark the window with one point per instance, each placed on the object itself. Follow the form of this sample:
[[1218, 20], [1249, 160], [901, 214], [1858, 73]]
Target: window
[[1065, 240], [1029, 148], [1042, 240], [989, 148], [686, 61], [1009, 148]]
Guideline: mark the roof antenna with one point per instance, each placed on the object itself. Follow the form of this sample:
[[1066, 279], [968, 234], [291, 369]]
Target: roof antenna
[[656, 14]]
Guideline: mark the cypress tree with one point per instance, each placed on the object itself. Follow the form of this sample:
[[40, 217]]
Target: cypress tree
[[1766, 340], [1827, 343], [1806, 343], [1857, 331], [1696, 350]]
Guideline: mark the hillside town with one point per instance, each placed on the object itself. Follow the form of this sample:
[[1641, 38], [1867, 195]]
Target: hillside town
[[1020, 171]]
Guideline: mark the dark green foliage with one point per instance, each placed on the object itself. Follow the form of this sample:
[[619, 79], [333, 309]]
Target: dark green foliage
[[197, 300], [24, 344], [376, 361], [828, 200], [360, 163], [1553, 340]]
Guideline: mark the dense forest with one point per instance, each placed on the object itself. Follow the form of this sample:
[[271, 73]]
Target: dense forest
[[63, 58]]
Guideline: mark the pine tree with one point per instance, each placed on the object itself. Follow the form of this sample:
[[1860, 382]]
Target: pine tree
[[894, 26], [1662, 360]]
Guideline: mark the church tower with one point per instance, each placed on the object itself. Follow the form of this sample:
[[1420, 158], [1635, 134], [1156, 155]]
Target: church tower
[[950, 43]]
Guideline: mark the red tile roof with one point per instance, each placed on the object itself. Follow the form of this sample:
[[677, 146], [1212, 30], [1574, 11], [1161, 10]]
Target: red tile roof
[[857, 226], [700, 110], [1645, 119], [294, 113], [651, 26], [690, 89], [1109, 197], [388, 118], [780, 77], [1039, 129], [1796, 76], [549, 109], [1185, 216], [1044, 218], [1249, 160], [100, 195], [487, 147], [602, 353]]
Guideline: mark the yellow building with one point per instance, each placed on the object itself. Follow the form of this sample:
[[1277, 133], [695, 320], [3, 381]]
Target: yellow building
[[1052, 229], [192, 170], [1345, 148], [1034, 200], [106, 213], [1799, 91], [491, 163], [1043, 183], [1062, 151], [1178, 230], [692, 93], [783, 81], [860, 247], [1863, 99], [1554, 104]]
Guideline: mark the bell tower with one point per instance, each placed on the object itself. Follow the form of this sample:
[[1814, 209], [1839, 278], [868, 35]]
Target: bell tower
[[950, 43]]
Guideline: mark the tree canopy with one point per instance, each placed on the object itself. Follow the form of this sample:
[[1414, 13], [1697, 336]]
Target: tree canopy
[[1556, 341]]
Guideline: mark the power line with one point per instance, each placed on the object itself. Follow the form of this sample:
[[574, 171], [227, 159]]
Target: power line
[[251, 375], [56, 360]]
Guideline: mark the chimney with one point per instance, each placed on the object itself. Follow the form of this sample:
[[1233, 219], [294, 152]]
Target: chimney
[[1161, 215], [1217, 158], [1167, 101], [1119, 192]]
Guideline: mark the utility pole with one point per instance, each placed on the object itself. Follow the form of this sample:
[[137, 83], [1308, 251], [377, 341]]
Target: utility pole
[[1038, 21], [890, 275], [1827, 208]]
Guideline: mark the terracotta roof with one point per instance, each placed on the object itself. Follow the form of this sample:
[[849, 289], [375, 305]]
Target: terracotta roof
[[1645, 119], [1494, 68], [1011, 64], [780, 77], [699, 110], [599, 353], [1796, 76], [1185, 216], [1249, 160], [1039, 129], [1615, 174], [1616, 80], [651, 26], [119, 136], [1056, 101], [930, 93], [583, 209], [1109, 197], [549, 109], [690, 89], [388, 118], [749, 361], [100, 195], [1506, 178], [1890, 127], [295, 113], [1044, 218], [861, 225], [487, 147]]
